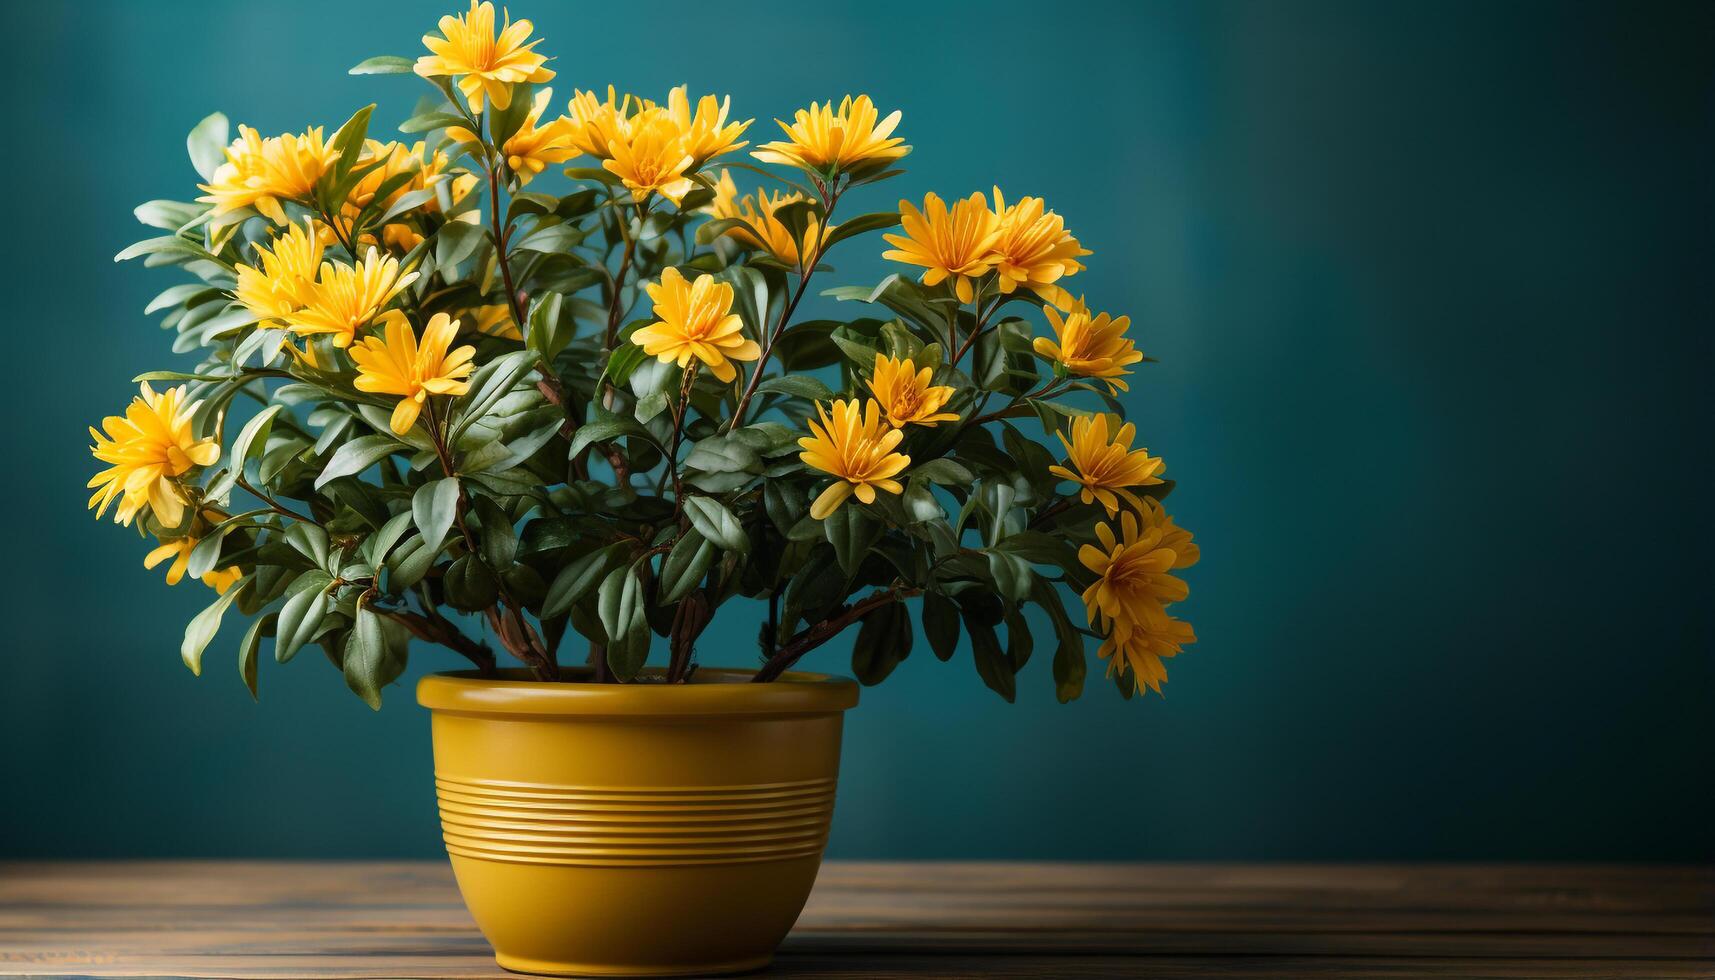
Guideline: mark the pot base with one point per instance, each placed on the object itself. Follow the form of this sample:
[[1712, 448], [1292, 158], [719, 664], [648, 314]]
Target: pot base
[[543, 968]]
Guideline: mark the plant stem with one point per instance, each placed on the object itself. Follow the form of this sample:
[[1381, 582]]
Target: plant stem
[[500, 240], [516, 633], [275, 505], [805, 271], [812, 637], [440, 631]]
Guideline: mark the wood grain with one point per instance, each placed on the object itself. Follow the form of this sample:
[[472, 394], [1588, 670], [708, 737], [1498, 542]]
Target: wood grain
[[261, 919]]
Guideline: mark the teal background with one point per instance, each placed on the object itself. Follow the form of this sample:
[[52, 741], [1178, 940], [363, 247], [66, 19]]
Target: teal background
[[1430, 287]]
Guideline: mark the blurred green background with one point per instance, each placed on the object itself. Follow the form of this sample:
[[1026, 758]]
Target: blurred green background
[[1430, 287]]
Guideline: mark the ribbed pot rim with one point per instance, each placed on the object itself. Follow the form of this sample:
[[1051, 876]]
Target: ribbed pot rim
[[711, 691]]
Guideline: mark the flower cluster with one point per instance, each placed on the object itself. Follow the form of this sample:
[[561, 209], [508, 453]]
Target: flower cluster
[[451, 376]]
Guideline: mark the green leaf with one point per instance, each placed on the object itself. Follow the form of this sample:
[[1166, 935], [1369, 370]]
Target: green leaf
[[576, 580], [798, 386], [1012, 575], [943, 471], [207, 144], [1019, 642], [489, 386], [358, 455], [546, 335], [717, 523], [205, 625], [1069, 665], [470, 585], [604, 430], [723, 454], [382, 541], [349, 140], [369, 665], [310, 541], [250, 646], [433, 509], [170, 216], [502, 123], [408, 201], [624, 360], [852, 534], [993, 666], [883, 641], [859, 225], [941, 624], [383, 64], [685, 566], [619, 600], [301, 616], [499, 542]]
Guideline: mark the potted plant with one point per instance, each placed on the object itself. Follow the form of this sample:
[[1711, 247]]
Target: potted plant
[[439, 401]]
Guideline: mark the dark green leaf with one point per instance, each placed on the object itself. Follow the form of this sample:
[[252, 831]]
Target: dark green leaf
[[883, 641], [301, 616], [941, 624], [250, 646], [358, 455], [852, 534], [576, 580], [369, 665], [717, 523], [686, 565], [470, 585]]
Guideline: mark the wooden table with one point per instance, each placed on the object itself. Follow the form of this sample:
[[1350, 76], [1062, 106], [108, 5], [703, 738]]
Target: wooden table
[[259, 919]]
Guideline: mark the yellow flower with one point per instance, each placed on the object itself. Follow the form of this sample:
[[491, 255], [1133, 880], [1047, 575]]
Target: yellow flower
[[282, 285], [707, 134], [592, 125], [650, 158], [958, 244], [761, 228], [855, 445], [532, 148], [348, 298], [147, 450], [1106, 469], [494, 320], [1034, 249], [1128, 599], [906, 395], [490, 65], [1186, 553], [398, 366], [1158, 637], [261, 173], [695, 321], [820, 138], [1091, 348], [179, 550]]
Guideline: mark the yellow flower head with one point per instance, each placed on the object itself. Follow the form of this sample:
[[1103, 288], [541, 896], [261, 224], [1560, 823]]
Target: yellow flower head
[[288, 271], [1091, 348], [261, 173], [1034, 249], [493, 320], [1158, 637], [707, 134], [533, 147], [592, 124], [1185, 551], [490, 65], [397, 365], [1106, 470], [850, 139], [179, 550], [1133, 584], [761, 228], [855, 445], [906, 395], [650, 158], [695, 321], [348, 298], [957, 244], [146, 450]]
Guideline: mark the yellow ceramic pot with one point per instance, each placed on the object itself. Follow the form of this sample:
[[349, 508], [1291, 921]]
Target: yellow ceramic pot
[[639, 829]]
